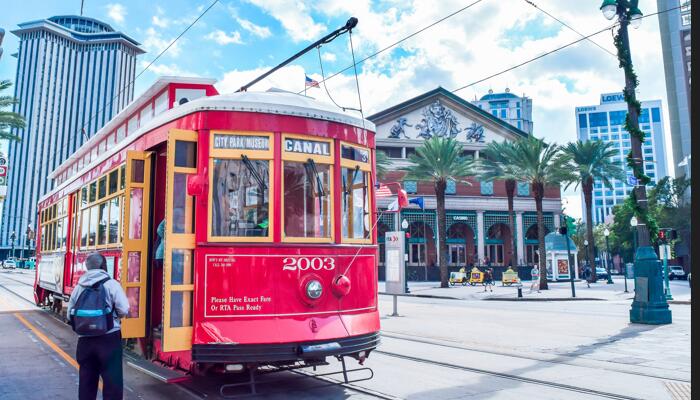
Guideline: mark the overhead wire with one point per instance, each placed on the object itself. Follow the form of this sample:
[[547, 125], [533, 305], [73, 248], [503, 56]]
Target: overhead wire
[[554, 51], [568, 26]]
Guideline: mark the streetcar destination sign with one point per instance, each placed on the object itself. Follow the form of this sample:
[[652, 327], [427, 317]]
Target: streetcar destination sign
[[307, 147], [241, 142]]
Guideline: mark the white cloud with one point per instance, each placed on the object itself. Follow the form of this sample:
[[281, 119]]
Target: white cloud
[[294, 16], [159, 21], [223, 38], [168, 69], [155, 43], [257, 30], [328, 57], [116, 12]]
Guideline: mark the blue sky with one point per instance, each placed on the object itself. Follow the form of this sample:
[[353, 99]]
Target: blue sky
[[236, 40]]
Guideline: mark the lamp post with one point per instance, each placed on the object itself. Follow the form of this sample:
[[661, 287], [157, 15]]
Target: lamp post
[[404, 226], [651, 309], [12, 239], [585, 245], [606, 232], [563, 231]]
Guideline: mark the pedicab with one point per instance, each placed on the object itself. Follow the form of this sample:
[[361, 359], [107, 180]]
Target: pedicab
[[458, 277], [510, 277], [476, 276]]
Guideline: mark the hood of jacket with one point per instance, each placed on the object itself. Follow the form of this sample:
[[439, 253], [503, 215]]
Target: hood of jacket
[[91, 277]]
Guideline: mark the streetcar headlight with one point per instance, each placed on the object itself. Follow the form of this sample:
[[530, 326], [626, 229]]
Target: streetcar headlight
[[314, 289]]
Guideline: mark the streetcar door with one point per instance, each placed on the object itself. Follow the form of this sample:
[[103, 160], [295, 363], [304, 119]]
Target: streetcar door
[[134, 260], [178, 257]]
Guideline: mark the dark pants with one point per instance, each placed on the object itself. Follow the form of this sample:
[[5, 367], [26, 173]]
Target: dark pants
[[100, 356]]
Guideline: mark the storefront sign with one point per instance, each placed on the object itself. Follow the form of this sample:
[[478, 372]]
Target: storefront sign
[[241, 142], [460, 218], [307, 147], [611, 98]]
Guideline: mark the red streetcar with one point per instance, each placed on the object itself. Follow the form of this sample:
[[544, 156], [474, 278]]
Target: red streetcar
[[240, 226]]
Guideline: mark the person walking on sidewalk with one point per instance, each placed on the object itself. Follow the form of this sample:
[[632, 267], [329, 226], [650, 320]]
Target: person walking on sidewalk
[[535, 285], [488, 279], [587, 274], [94, 309]]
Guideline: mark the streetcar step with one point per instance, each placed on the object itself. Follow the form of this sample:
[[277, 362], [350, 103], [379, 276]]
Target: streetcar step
[[163, 374]]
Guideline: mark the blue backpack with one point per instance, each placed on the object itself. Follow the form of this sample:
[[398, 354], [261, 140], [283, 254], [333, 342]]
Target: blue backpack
[[92, 315]]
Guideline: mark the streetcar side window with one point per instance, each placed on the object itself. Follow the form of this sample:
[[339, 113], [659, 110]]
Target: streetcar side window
[[355, 204], [240, 183], [307, 200], [241, 198], [307, 189]]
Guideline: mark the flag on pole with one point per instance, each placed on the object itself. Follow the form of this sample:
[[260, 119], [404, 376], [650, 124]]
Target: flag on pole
[[417, 201], [383, 191], [310, 82], [400, 202]]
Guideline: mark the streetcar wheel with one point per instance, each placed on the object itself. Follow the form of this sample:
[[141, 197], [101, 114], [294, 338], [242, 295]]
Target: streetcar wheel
[[509, 283]]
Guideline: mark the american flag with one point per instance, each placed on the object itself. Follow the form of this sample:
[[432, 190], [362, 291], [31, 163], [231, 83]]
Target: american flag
[[310, 82], [383, 191]]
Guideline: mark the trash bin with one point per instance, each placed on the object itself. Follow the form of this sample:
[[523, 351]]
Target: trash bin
[[629, 269]]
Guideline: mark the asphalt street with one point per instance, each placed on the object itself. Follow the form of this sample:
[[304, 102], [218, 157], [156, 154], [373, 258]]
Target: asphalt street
[[436, 349]]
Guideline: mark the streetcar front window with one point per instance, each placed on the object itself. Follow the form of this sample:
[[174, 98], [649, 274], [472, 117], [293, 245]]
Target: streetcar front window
[[355, 206], [307, 200], [240, 200]]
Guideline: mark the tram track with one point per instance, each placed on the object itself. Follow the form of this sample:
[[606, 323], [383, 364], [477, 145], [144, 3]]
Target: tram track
[[512, 377], [523, 357]]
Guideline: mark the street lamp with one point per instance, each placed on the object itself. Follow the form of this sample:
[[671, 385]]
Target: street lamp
[[12, 239], [606, 232], [404, 226], [651, 309], [585, 245]]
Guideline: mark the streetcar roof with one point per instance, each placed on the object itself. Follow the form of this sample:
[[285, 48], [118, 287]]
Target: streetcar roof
[[273, 101]]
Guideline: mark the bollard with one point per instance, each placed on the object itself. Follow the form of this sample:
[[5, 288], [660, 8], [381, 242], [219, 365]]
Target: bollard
[[520, 291]]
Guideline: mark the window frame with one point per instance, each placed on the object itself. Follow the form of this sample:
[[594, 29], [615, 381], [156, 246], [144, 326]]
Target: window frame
[[364, 167], [302, 158], [235, 154], [106, 199]]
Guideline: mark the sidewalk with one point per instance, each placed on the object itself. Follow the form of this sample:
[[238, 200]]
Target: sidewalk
[[558, 291]]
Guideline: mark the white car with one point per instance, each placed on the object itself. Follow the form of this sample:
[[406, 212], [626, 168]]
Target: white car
[[9, 264], [676, 272]]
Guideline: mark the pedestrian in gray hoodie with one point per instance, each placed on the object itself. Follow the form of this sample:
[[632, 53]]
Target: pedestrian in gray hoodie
[[101, 355]]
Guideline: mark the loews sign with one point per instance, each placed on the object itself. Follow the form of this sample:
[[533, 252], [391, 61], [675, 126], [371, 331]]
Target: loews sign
[[611, 98]]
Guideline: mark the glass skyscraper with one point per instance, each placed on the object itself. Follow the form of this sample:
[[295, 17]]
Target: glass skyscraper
[[74, 74], [606, 122], [674, 27]]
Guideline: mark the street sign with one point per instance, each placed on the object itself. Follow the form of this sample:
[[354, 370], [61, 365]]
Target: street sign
[[394, 262], [631, 180], [3, 170], [665, 252]]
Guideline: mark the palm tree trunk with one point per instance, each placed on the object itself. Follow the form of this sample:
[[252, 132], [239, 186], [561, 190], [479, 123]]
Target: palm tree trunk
[[440, 186], [510, 192], [538, 194], [587, 187]]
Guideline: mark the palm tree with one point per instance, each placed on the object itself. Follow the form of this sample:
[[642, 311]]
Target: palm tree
[[9, 120], [438, 160], [592, 160], [382, 164], [541, 164], [495, 164]]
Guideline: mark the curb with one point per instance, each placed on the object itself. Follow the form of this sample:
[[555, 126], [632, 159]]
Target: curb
[[426, 296], [543, 299]]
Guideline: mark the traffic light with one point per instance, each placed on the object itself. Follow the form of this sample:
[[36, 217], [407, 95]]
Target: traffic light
[[662, 236]]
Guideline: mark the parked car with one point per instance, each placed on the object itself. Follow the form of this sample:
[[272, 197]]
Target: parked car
[[601, 273], [10, 264], [676, 272]]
